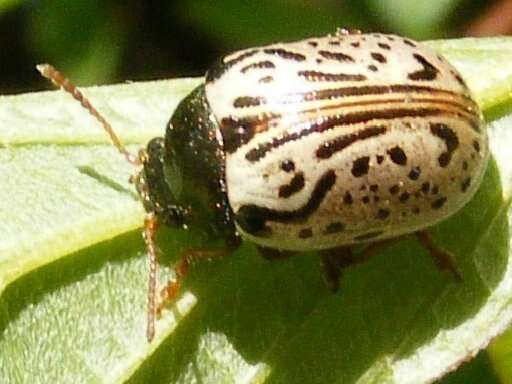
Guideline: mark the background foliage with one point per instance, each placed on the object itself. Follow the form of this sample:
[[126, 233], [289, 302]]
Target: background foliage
[[97, 41], [104, 41]]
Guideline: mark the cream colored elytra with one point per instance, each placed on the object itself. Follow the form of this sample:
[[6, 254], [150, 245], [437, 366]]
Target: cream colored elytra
[[342, 139]]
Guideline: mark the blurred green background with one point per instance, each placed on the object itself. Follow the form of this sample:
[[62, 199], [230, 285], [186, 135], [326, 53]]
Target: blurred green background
[[100, 42], [97, 42]]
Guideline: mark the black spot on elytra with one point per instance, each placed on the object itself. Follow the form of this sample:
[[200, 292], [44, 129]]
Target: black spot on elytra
[[319, 61], [366, 199], [425, 187], [449, 137], [383, 214], [444, 159], [248, 101], [313, 43], [465, 184], [380, 159], [217, 70], [397, 155], [409, 43], [390, 38], [427, 73], [465, 165], [438, 203], [285, 54], [369, 235], [378, 57], [266, 79], [394, 189], [338, 56], [384, 46], [266, 64], [404, 197], [435, 190], [416, 210], [305, 233], [415, 173], [295, 185], [476, 145], [374, 187], [334, 227], [334, 42], [376, 199], [347, 198], [361, 166], [288, 166], [355, 44], [373, 68]]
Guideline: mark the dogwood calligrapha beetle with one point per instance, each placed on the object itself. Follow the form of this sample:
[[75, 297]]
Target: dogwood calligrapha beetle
[[319, 144]]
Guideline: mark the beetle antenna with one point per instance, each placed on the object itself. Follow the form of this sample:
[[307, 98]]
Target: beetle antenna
[[61, 81]]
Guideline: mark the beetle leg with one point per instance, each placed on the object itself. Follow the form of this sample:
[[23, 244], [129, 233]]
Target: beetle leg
[[170, 291], [334, 261], [443, 259], [190, 256], [150, 229]]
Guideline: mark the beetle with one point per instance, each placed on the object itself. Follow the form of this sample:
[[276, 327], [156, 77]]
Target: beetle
[[320, 144]]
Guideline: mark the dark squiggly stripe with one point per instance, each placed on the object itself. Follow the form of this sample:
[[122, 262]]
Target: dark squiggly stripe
[[428, 73], [237, 132], [338, 56], [266, 64], [285, 54], [261, 150], [322, 76], [253, 218], [449, 137], [296, 184], [329, 148], [221, 67]]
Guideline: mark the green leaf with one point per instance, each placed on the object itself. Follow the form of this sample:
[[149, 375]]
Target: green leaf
[[73, 274], [416, 19], [250, 23], [7, 5], [73, 33]]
